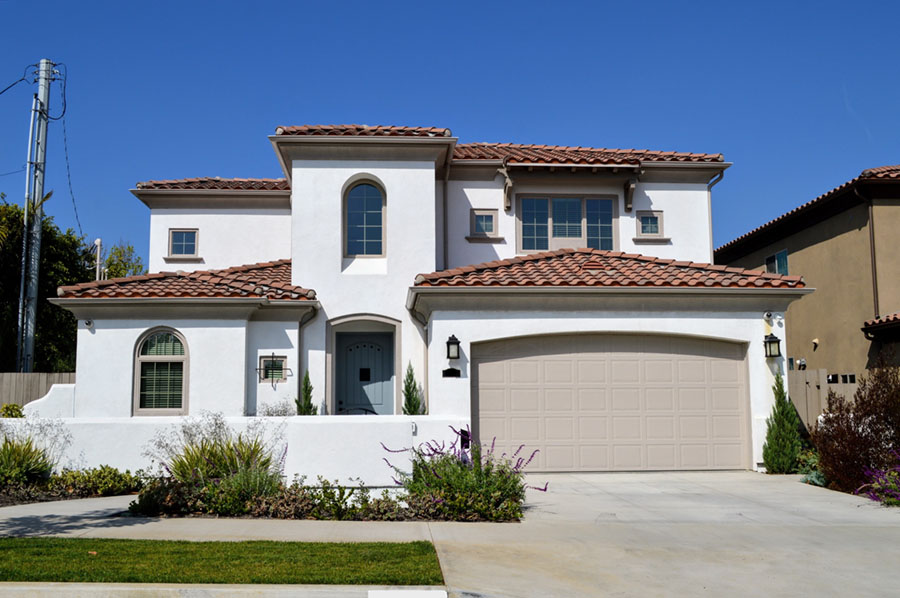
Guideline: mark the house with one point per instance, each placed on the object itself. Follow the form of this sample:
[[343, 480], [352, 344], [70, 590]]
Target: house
[[844, 243], [557, 297]]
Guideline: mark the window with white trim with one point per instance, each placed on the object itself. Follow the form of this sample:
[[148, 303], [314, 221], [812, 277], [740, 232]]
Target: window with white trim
[[777, 263], [548, 223], [182, 242], [483, 225], [650, 224], [273, 369], [161, 374], [364, 221]]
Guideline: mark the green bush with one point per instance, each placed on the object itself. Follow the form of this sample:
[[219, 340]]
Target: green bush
[[23, 462], [859, 436], [412, 394], [168, 496], [808, 467], [235, 494], [214, 458], [884, 484], [782, 446], [11, 410], [304, 402], [100, 481]]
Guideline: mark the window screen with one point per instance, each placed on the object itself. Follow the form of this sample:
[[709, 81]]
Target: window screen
[[567, 217]]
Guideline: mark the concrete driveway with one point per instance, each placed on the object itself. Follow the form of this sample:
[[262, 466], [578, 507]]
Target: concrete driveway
[[678, 534], [653, 534]]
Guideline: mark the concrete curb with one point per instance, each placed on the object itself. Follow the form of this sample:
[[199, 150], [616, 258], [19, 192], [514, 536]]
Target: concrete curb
[[142, 590]]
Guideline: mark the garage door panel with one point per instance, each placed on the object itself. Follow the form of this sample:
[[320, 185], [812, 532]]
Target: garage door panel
[[614, 402]]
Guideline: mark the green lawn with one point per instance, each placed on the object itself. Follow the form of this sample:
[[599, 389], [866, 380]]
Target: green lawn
[[152, 561]]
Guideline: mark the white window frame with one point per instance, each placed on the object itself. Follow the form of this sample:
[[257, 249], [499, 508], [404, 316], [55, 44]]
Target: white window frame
[[657, 237], [137, 410], [184, 256], [478, 237], [345, 224], [554, 243], [262, 368], [774, 256]]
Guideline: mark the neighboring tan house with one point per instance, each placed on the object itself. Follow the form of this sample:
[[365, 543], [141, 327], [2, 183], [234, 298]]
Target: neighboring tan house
[[845, 244], [389, 246]]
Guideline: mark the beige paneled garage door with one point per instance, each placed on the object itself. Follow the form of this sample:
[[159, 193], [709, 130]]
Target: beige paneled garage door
[[613, 402]]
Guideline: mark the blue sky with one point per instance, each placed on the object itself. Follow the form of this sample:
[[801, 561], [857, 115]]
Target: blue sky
[[799, 96]]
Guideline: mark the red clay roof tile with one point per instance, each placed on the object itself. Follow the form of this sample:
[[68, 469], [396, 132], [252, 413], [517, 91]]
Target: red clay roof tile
[[363, 131], [888, 320], [218, 183], [515, 153], [591, 267], [271, 280]]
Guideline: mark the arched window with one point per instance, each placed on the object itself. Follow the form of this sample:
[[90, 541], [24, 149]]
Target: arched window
[[364, 220], [160, 374]]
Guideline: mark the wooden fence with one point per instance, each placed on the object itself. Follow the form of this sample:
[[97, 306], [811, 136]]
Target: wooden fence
[[23, 388], [808, 390]]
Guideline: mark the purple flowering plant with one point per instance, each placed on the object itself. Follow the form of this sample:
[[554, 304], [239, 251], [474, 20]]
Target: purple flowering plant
[[884, 484], [465, 482]]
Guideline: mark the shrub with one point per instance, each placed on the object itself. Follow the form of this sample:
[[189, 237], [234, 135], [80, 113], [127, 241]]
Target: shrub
[[283, 408], [23, 462], [884, 484], [304, 401], [11, 410], [465, 484], [808, 467], [412, 394], [236, 493], [100, 481], [293, 502], [168, 496], [859, 436], [782, 446]]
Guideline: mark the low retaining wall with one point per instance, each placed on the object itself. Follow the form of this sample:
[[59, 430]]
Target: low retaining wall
[[346, 448]]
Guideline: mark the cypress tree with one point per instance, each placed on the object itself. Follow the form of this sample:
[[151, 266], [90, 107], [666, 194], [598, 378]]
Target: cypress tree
[[412, 396], [782, 447], [304, 403]]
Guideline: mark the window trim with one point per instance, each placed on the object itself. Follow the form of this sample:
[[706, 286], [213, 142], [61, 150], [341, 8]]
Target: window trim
[[138, 359], [775, 257], [565, 242], [184, 256], [641, 236], [492, 237], [262, 369], [353, 184]]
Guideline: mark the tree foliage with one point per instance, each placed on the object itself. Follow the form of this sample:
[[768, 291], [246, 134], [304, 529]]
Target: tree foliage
[[412, 394], [122, 260], [304, 402], [782, 447], [64, 260]]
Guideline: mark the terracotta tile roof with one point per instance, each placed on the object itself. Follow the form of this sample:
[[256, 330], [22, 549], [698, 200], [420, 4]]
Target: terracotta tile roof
[[271, 280], [888, 320], [558, 154], [218, 183], [879, 173], [594, 268], [364, 131]]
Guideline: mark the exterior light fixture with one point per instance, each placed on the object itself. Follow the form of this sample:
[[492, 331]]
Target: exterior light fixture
[[773, 345], [453, 347]]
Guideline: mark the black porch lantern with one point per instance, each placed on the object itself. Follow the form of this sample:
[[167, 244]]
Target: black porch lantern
[[453, 347], [773, 345]]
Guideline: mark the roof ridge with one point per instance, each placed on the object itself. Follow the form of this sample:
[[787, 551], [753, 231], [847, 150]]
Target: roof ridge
[[580, 148]]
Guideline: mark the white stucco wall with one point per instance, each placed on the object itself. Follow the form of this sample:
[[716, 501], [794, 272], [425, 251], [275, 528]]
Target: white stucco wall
[[105, 365], [452, 396], [685, 210], [263, 340], [225, 238], [363, 285]]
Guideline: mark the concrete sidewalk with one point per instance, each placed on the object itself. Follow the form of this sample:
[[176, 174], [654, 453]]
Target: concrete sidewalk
[[652, 534]]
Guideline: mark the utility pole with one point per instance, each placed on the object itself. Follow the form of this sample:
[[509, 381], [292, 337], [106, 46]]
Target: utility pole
[[34, 193]]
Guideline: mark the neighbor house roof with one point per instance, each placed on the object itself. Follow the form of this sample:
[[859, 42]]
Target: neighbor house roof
[[270, 280], [594, 268], [879, 174], [515, 153], [882, 323], [363, 131], [218, 183]]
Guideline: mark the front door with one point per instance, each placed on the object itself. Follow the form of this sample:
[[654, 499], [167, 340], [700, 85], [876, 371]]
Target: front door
[[365, 373]]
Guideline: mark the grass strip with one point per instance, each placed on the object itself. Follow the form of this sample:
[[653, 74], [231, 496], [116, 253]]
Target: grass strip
[[157, 561]]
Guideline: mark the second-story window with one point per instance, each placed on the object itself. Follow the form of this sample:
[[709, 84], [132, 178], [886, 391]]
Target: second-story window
[[182, 242], [364, 221], [777, 264], [557, 222]]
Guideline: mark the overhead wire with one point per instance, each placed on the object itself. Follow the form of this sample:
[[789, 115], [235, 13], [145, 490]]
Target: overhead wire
[[16, 82], [62, 91]]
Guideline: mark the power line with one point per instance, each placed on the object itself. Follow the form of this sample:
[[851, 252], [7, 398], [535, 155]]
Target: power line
[[14, 83], [62, 91], [12, 172], [66, 151]]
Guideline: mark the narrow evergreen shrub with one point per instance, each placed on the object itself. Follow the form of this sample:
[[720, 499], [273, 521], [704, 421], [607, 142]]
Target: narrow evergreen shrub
[[782, 447], [412, 394], [304, 401]]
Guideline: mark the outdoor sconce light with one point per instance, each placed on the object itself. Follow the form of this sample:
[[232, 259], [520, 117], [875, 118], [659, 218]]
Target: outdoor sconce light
[[773, 345], [453, 347]]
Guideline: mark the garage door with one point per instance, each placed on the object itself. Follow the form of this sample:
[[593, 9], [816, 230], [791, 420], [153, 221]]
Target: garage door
[[613, 402]]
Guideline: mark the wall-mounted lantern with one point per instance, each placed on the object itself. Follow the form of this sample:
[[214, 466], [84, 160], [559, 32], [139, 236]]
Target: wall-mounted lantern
[[453, 347], [773, 345]]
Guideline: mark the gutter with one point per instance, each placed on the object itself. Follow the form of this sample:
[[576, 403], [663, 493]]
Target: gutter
[[872, 260]]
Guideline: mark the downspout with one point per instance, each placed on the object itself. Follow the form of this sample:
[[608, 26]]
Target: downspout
[[712, 183], [871, 249], [444, 207]]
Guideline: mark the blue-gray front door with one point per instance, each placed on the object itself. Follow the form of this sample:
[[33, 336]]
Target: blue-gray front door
[[365, 373]]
